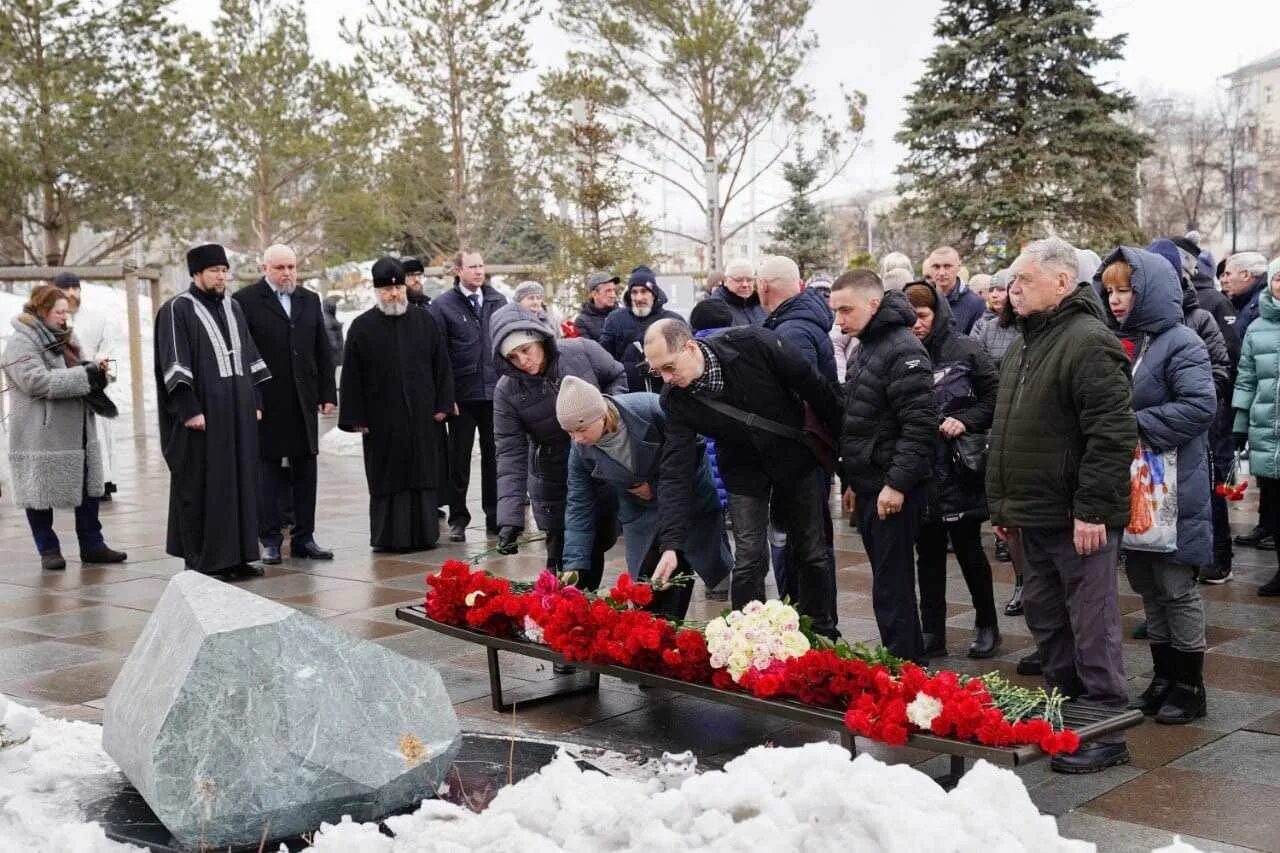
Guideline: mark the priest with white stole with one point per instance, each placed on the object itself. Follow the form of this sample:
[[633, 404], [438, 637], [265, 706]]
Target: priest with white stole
[[207, 369], [99, 336], [397, 388]]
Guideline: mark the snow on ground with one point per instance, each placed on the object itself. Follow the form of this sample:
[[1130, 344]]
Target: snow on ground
[[38, 781], [811, 798]]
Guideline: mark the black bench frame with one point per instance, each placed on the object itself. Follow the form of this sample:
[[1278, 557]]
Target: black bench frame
[[1088, 723]]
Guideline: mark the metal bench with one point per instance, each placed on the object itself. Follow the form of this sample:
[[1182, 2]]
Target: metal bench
[[1088, 723]]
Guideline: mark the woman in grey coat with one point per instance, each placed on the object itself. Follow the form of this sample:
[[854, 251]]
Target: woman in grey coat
[[532, 450], [53, 440], [617, 449], [1175, 404]]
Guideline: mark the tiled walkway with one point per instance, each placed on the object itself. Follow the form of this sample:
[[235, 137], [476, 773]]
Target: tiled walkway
[[64, 635]]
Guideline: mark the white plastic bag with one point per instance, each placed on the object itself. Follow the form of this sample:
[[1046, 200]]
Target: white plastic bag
[[1153, 501]]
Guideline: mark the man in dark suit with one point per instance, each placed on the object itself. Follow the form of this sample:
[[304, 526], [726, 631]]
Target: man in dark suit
[[288, 326], [463, 316]]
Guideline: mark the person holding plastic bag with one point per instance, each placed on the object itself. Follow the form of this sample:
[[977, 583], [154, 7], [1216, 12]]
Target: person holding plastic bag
[[1175, 403], [1255, 401]]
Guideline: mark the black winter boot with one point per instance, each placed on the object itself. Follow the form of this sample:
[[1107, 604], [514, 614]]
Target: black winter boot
[[1186, 703], [1162, 681]]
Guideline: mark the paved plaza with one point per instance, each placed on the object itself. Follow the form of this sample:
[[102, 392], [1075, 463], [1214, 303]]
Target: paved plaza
[[64, 636]]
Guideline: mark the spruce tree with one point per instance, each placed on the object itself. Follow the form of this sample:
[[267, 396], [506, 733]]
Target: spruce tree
[[802, 233], [1009, 135]]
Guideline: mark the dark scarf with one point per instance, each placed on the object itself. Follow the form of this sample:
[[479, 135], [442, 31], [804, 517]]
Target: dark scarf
[[55, 340]]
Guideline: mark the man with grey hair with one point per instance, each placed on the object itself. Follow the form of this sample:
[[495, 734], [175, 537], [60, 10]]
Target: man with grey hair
[[1061, 444], [287, 324], [897, 261], [738, 291], [942, 269], [1244, 279]]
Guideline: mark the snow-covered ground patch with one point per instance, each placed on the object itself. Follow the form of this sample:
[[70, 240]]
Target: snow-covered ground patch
[[810, 798]]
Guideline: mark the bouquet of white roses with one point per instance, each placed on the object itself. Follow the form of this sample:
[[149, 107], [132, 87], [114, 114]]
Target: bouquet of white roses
[[754, 637]]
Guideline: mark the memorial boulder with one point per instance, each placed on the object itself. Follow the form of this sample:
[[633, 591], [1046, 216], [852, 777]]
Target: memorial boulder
[[238, 718]]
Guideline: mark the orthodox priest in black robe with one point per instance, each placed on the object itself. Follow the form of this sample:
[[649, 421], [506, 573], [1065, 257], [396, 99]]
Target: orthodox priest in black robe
[[206, 369], [397, 388]]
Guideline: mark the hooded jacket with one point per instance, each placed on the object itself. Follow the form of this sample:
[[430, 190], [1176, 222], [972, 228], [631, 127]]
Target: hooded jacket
[[532, 450], [1064, 430], [1257, 393], [805, 321], [1219, 306], [965, 386], [1200, 321], [746, 312], [890, 416], [623, 338], [1173, 396]]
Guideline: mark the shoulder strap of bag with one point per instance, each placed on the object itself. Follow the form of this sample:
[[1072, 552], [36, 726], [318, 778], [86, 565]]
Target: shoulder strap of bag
[[752, 420]]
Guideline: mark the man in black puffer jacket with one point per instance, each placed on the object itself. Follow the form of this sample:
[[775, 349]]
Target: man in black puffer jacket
[[887, 444]]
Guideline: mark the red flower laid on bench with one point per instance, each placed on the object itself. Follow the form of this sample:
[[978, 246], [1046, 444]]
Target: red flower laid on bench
[[883, 698]]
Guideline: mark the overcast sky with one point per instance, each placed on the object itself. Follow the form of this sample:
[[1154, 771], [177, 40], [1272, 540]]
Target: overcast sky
[[1179, 46]]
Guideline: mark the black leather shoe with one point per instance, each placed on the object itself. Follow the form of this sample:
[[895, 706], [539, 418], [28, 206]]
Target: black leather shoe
[[52, 562], [1253, 537], [1091, 758], [247, 570], [309, 551], [457, 533], [271, 555], [1030, 664], [103, 554], [986, 642], [933, 646]]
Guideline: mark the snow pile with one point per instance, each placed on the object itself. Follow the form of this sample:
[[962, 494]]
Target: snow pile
[[812, 798], [38, 780]]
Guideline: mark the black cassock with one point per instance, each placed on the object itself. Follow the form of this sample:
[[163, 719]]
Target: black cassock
[[206, 363], [395, 378]]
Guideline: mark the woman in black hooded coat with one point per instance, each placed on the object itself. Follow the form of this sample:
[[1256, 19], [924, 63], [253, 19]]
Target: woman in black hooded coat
[[965, 385]]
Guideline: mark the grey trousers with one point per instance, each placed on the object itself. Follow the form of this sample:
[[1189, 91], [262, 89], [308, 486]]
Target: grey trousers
[[1072, 607], [1171, 598]]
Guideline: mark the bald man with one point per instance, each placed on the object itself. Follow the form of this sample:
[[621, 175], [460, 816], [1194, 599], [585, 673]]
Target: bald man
[[942, 269], [287, 324]]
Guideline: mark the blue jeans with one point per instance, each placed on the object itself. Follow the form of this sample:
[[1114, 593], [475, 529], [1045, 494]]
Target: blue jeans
[[88, 528]]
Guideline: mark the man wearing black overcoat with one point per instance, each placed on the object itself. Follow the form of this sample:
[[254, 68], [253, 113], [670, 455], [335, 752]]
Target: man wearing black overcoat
[[287, 324]]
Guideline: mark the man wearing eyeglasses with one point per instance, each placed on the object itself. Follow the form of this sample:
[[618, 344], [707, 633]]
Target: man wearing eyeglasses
[[739, 292], [745, 387]]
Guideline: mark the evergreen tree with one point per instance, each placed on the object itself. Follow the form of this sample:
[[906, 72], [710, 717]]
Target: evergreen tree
[[802, 232], [1008, 133]]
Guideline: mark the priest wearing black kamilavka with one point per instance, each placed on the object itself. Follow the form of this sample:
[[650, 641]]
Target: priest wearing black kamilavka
[[397, 387], [207, 369]]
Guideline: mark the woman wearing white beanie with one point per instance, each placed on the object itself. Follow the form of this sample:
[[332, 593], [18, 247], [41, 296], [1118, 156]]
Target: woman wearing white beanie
[[617, 450]]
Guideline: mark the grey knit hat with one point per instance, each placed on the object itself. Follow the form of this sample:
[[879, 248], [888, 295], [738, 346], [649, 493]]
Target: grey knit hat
[[527, 288], [580, 403], [517, 339]]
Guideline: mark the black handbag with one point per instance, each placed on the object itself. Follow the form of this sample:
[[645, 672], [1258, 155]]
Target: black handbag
[[814, 435], [969, 453]]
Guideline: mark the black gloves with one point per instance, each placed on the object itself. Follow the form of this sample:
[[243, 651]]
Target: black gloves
[[97, 377], [507, 543], [1240, 439]]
